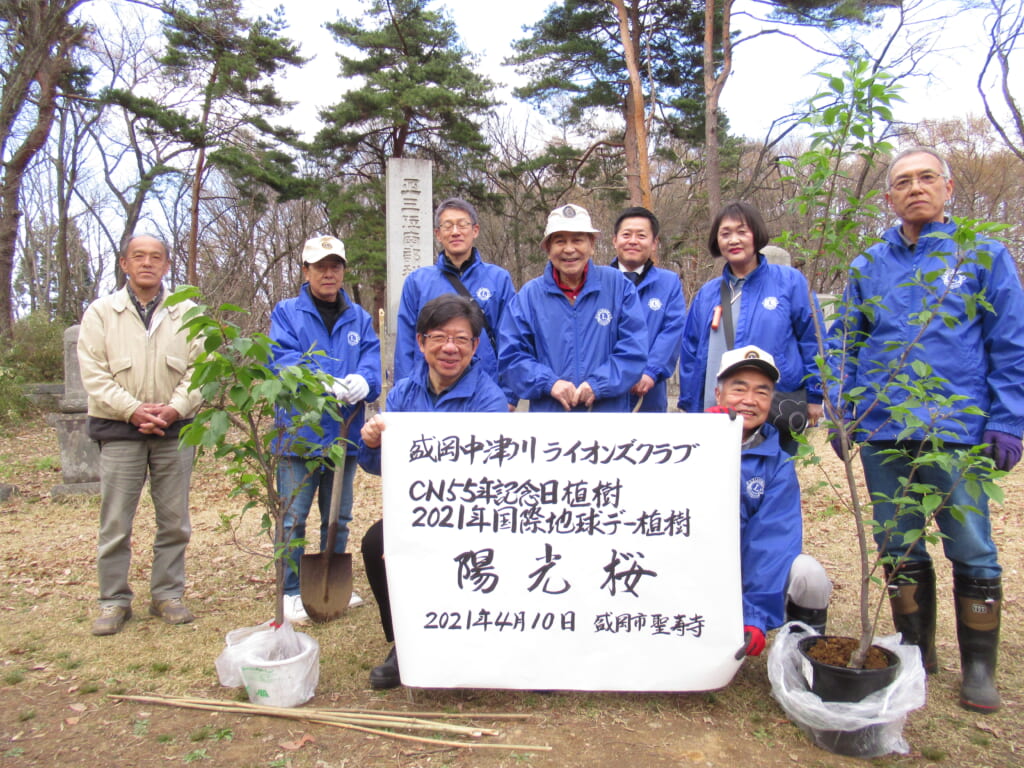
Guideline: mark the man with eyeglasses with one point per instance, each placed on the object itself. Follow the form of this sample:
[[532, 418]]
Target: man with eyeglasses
[[446, 379], [137, 365], [574, 339], [324, 330], [460, 269], [974, 343]]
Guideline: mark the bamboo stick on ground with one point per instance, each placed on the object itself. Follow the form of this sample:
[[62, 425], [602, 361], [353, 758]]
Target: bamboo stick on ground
[[349, 720]]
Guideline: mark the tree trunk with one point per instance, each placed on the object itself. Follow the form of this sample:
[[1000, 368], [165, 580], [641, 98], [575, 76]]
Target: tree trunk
[[638, 169], [44, 41], [713, 87]]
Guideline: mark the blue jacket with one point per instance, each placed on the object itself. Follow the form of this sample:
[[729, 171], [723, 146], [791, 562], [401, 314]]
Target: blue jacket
[[661, 297], [981, 357], [473, 393], [601, 339], [771, 530], [351, 347], [489, 285], [775, 314]]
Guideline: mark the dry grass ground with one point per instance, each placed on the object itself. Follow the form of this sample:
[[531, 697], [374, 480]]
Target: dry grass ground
[[56, 678]]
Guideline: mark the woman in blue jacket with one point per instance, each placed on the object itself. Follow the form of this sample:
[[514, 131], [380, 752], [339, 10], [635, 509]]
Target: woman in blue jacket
[[771, 308]]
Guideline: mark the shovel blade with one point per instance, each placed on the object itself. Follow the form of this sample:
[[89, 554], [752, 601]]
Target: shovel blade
[[325, 584]]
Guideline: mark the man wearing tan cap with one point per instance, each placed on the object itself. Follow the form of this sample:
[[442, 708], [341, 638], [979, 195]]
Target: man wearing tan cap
[[324, 330], [780, 583], [575, 337]]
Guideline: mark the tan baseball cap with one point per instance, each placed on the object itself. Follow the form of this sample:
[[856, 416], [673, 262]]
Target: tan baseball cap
[[319, 248]]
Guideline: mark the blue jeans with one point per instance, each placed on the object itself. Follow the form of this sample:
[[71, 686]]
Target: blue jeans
[[968, 545], [296, 482]]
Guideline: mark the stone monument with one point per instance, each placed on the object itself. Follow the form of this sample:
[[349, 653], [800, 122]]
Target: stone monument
[[79, 456], [410, 238]]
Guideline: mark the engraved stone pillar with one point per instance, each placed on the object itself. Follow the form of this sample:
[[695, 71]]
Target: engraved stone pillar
[[410, 239], [79, 456]]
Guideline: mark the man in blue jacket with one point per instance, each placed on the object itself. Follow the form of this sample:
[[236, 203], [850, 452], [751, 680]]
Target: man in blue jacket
[[661, 298], [971, 336], [446, 379], [780, 583], [459, 269], [574, 339], [322, 329]]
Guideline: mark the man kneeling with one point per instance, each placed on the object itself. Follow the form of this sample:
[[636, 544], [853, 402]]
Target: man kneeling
[[445, 379], [779, 583]]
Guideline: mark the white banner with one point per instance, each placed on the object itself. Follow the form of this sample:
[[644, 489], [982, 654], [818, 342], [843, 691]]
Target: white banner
[[564, 551]]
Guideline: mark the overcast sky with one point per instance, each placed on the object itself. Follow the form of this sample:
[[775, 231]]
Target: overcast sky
[[769, 73]]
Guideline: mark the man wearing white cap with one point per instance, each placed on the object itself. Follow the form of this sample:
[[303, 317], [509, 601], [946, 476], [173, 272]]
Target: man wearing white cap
[[575, 337], [325, 331], [780, 583]]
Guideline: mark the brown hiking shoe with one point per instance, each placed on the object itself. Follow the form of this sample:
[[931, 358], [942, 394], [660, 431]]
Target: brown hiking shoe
[[171, 610], [111, 619]]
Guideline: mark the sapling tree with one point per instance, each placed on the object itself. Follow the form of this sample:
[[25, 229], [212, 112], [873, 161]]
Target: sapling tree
[[244, 395], [848, 119]]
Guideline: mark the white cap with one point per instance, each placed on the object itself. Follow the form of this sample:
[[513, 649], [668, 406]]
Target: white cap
[[748, 357], [568, 218], [319, 248]]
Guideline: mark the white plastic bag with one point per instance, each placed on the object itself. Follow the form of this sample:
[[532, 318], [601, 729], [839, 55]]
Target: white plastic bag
[[874, 724], [278, 667]]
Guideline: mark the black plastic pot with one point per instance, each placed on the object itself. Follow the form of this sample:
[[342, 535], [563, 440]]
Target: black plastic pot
[[833, 683]]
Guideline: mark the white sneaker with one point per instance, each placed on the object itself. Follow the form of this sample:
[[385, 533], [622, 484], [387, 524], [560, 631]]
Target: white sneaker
[[355, 600], [294, 611]]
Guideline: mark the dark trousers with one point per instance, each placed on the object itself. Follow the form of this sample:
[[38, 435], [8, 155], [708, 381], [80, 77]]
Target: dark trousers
[[376, 574]]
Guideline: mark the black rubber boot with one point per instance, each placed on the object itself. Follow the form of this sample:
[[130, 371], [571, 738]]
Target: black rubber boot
[[815, 618], [386, 675], [977, 628], [912, 600]]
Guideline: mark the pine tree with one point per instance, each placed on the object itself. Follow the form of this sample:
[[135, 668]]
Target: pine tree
[[419, 97]]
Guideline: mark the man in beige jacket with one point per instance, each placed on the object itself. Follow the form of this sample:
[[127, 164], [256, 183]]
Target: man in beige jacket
[[136, 367]]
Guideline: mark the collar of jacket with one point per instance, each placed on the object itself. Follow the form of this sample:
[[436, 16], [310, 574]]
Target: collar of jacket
[[769, 446], [755, 273], [925, 243], [123, 301], [643, 271], [589, 280], [444, 263], [306, 301]]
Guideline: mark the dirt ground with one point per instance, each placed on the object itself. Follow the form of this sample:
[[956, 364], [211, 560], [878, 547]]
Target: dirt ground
[[58, 683]]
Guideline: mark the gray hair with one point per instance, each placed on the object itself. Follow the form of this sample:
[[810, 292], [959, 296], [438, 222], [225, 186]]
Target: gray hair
[[137, 235], [456, 204], [917, 150]]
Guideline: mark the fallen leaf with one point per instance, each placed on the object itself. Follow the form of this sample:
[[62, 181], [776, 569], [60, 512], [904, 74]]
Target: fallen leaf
[[989, 729], [72, 720], [298, 743], [78, 707]]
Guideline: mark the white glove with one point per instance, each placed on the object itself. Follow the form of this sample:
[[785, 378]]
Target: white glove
[[334, 386], [355, 388], [338, 389]]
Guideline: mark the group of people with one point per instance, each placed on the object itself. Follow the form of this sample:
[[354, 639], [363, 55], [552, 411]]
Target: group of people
[[588, 337]]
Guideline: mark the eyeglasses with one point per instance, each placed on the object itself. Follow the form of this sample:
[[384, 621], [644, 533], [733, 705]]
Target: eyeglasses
[[925, 179], [463, 226], [440, 339]]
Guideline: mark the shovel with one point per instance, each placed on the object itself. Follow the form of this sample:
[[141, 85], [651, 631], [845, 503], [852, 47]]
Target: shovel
[[325, 579]]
